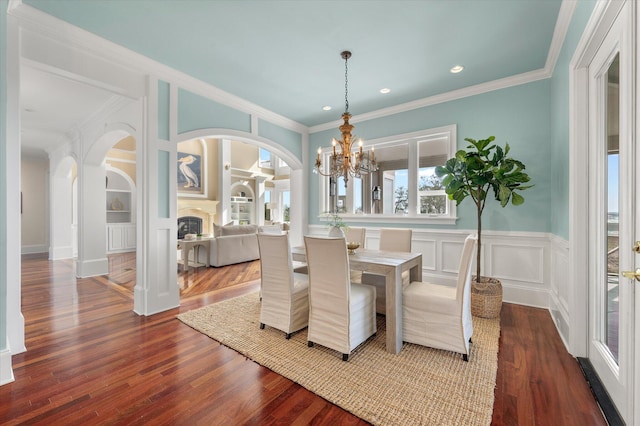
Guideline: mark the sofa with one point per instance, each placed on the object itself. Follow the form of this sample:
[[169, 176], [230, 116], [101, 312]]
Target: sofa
[[233, 244]]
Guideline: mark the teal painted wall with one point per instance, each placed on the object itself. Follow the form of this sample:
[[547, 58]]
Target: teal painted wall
[[517, 115], [164, 98], [290, 140], [3, 170], [559, 202], [196, 112]]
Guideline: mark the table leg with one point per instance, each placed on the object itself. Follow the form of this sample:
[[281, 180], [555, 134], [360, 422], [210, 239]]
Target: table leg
[[393, 286]]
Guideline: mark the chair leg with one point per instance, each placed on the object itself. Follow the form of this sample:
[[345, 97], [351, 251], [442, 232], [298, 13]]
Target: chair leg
[[345, 357], [465, 357], [288, 336], [310, 344], [261, 326]]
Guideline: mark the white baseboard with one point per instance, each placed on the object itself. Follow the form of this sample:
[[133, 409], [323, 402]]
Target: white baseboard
[[58, 253], [36, 248], [6, 372], [92, 268]]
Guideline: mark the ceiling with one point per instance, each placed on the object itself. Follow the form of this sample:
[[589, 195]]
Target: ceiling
[[285, 55]]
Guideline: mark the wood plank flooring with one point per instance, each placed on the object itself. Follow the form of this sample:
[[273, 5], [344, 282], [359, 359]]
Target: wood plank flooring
[[91, 360]]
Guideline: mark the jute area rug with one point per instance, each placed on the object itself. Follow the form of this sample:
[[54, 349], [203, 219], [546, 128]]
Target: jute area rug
[[419, 386]]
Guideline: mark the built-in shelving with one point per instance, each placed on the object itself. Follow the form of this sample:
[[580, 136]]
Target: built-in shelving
[[242, 210], [121, 227]]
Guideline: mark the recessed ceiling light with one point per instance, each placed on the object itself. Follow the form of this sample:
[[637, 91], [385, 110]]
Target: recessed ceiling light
[[326, 108], [456, 69], [385, 90]]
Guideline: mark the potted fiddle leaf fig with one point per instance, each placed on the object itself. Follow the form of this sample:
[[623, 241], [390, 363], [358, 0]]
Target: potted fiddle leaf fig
[[482, 168]]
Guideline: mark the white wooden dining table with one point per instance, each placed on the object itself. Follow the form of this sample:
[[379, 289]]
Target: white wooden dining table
[[391, 265]]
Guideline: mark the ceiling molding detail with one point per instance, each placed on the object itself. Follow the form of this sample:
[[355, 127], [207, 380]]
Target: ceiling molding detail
[[86, 42]]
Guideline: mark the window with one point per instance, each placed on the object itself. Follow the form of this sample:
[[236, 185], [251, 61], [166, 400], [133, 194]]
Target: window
[[267, 206], [286, 206], [265, 159], [432, 199], [409, 189]]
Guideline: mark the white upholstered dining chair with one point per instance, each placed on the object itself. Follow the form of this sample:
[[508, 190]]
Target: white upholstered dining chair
[[391, 239], [439, 316], [354, 234], [342, 314], [285, 295]]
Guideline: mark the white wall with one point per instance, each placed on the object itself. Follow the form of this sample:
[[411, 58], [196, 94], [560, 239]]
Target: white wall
[[34, 188]]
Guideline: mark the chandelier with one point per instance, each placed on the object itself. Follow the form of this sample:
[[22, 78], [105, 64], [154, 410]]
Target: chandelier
[[344, 161]]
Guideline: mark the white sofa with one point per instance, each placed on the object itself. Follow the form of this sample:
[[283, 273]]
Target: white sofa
[[233, 244]]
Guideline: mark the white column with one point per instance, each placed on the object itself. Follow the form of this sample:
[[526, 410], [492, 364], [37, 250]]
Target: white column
[[224, 181], [60, 208], [156, 276], [298, 211], [14, 318], [259, 199], [92, 222]]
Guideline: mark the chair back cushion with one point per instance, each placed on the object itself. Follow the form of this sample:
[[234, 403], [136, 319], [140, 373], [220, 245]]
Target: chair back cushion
[[395, 239], [464, 269], [276, 266], [355, 235], [329, 281]]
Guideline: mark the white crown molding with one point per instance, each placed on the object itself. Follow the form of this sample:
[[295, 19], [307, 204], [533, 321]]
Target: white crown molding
[[51, 27], [559, 33], [478, 89], [562, 26]]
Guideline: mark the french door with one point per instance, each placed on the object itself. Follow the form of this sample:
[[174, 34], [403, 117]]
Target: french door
[[613, 212]]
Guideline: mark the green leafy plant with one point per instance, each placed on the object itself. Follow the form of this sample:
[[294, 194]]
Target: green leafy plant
[[334, 220], [482, 168]]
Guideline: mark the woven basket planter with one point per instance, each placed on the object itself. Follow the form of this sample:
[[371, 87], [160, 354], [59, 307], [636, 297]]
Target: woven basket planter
[[486, 297]]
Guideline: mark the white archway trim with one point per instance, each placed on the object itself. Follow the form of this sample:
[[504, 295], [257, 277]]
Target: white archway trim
[[113, 134], [293, 161]]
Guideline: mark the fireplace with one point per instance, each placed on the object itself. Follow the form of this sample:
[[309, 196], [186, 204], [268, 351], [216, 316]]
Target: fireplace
[[189, 225]]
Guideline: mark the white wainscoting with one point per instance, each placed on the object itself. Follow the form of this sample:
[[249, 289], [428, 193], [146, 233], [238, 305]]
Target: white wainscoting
[[560, 286], [520, 260]]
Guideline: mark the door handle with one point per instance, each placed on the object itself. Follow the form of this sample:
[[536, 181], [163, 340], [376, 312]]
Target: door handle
[[632, 274]]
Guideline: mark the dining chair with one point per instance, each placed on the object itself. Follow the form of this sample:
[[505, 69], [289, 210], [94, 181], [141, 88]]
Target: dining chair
[[439, 316], [391, 239], [342, 314], [354, 234], [284, 293]]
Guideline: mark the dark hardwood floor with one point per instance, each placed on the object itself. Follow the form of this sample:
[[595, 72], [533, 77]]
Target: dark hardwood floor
[[91, 360]]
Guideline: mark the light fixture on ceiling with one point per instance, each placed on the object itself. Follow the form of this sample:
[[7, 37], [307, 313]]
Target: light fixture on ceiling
[[385, 90], [326, 108], [456, 69], [343, 162]]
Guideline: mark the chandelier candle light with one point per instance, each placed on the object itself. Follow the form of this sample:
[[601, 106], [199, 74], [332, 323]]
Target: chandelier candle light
[[344, 162]]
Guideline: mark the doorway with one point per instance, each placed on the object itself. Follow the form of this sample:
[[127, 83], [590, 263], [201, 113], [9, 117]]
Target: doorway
[[612, 211]]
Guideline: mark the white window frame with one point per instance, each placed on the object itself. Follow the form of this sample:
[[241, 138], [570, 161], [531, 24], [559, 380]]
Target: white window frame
[[413, 216]]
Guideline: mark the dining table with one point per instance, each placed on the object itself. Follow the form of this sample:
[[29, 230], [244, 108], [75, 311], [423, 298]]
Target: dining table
[[391, 265]]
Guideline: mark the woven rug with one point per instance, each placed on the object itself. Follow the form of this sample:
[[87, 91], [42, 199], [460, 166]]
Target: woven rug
[[419, 386]]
